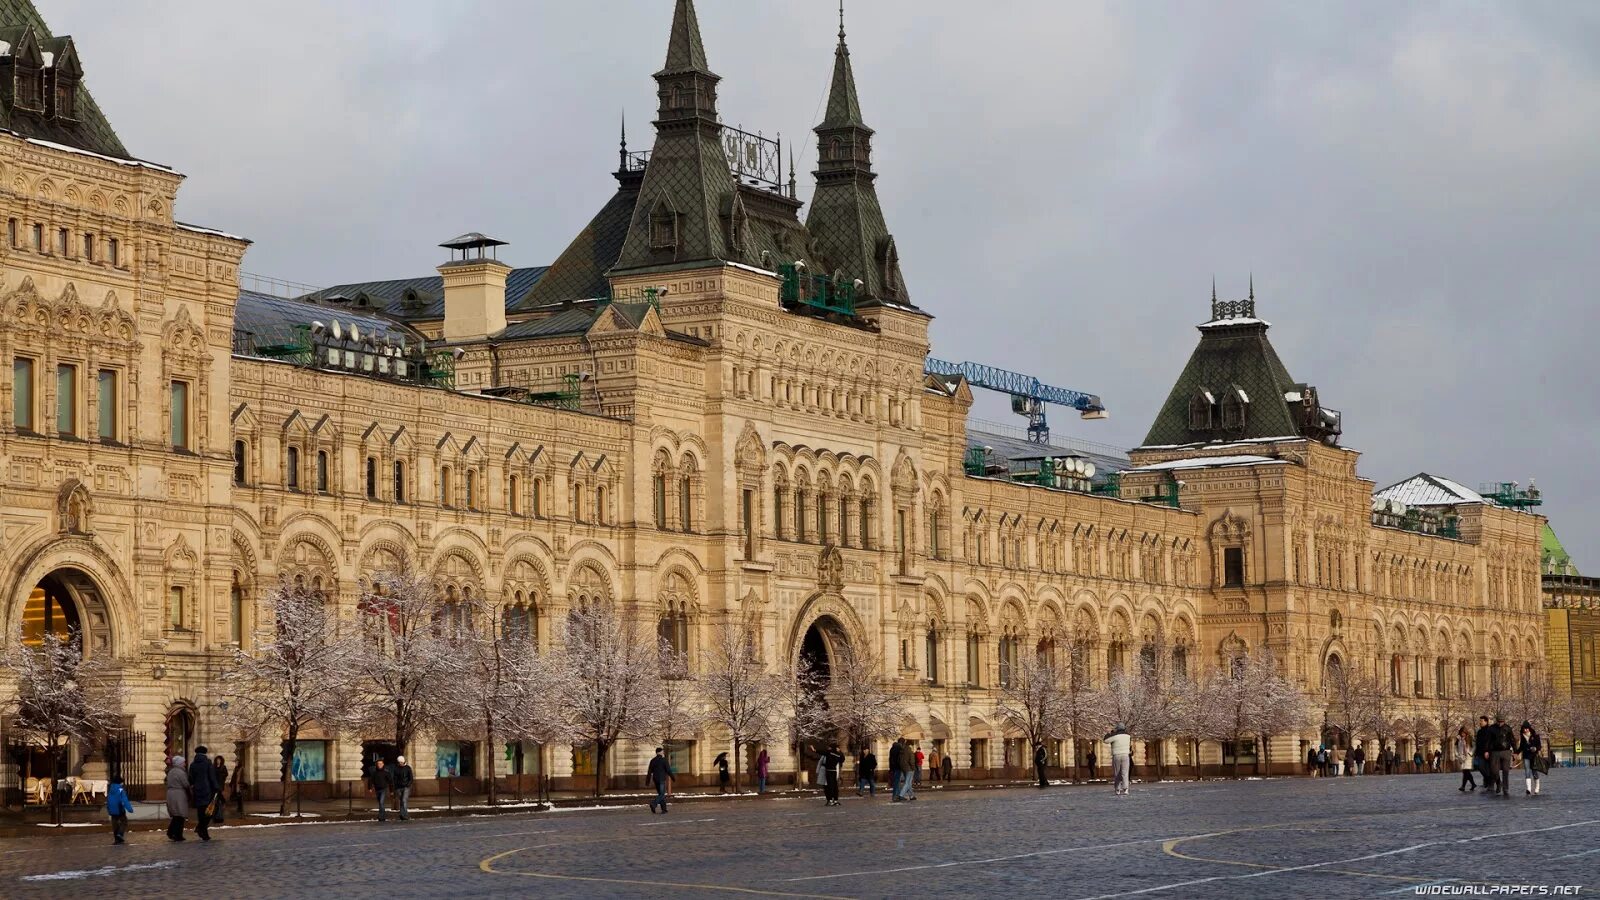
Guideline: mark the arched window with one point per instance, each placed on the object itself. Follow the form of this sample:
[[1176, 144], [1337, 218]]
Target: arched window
[[372, 478], [801, 498], [291, 477], [932, 651], [236, 611], [865, 525], [537, 500], [514, 495], [1180, 662], [658, 499], [447, 493], [399, 481], [600, 504], [974, 659], [322, 471], [686, 503], [1235, 406], [673, 630], [779, 491], [239, 453], [1202, 410], [472, 489]]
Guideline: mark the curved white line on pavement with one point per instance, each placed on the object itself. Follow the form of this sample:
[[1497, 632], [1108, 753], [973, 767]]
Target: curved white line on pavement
[[78, 874], [995, 859], [1340, 862]]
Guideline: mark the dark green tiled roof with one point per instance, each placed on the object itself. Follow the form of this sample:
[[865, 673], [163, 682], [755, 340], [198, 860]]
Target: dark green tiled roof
[[267, 319], [579, 273], [419, 299], [844, 108], [90, 131], [1230, 356], [570, 321], [685, 51]]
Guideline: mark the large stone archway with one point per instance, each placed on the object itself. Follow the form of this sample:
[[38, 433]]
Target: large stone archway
[[825, 624], [84, 573], [67, 602]]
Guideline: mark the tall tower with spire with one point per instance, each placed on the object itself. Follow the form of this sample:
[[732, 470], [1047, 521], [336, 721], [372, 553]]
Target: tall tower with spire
[[846, 221], [688, 207]]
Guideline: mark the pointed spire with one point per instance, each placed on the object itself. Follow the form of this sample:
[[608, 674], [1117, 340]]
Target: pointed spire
[[1252, 287], [685, 52], [622, 154], [793, 189], [1213, 289], [844, 109]]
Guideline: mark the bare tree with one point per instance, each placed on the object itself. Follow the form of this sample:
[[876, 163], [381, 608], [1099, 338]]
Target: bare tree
[[1533, 699], [860, 702], [503, 689], [679, 712], [609, 679], [739, 693], [62, 695], [1283, 707], [411, 660], [298, 674], [1077, 691], [1165, 699], [1449, 714], [806, 708], [1355, 702], [1031, 700], [1234, 695]]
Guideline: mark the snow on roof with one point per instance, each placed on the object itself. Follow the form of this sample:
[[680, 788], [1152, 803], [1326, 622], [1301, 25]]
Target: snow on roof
[[200, 229], [1266, 440], [1245, 320], [139, 163], [1211, 462], [1423, 489], [5, 48]]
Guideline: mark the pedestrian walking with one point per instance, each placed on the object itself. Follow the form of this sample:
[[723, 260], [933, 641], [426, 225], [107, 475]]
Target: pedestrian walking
[[832, 763], [1533, 763], [403, 779], [220, 766], [933, 765], [867, 772], [916, 768], [724, 780], [897, 764], [1322, 761], [1040, 761], [1338, 761], [382, 782], [659, 775], [763, 762], [1438, 759], [1311, 761], [177, 798], [1483, 753], [1503, 743], [1121, 745], [946, 767], [203, 791], [1416, 761], [118, 807], [1358, 756], [1093, 774], [1464, 757]]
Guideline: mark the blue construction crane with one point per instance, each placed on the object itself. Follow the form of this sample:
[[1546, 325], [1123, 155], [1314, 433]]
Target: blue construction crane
[[1028, 394]]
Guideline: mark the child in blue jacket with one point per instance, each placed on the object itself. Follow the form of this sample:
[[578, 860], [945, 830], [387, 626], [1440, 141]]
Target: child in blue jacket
[[119, 807]]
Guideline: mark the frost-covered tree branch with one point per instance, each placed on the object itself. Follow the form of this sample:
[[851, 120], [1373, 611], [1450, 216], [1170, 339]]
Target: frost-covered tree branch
[[62, 695]]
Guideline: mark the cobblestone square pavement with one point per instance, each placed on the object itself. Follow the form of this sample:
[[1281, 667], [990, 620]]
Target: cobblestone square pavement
[[1348, 837]]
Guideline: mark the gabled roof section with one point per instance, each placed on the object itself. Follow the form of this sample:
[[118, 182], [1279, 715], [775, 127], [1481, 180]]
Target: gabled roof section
[[88, 130], [1423, 489], [685, 51], [1553, 557], [413, 299]]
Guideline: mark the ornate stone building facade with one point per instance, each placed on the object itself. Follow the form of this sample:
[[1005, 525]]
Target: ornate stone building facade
[[706, 407]]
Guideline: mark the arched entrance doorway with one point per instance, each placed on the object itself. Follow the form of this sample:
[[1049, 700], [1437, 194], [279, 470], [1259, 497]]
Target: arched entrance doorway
[[51, 609], [818, 656], [179, 731]]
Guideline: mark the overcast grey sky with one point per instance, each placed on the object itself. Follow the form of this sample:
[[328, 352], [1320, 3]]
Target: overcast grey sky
[[1415, 186]]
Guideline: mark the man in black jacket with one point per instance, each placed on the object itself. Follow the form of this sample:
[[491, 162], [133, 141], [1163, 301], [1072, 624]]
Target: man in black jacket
[[897, 769], [660, 777], [403, 777], [1481, 754], [382, 783], [832, 763], [1040, 761], [867, 772], [1502, 743], [203, 787]]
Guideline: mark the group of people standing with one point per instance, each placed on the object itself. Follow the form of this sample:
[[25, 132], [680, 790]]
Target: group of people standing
[[1491, 751], [192, 788]]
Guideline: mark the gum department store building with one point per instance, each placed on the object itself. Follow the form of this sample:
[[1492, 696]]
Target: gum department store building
[[708, 405]]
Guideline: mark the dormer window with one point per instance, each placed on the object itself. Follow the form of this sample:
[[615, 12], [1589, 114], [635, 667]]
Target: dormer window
[[1235, 406], [1203, 410], [30, 87], [65, 99], [663, 228]]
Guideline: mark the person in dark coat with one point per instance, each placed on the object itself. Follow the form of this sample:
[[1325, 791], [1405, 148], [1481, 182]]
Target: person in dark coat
[[832, 762], [947, 766], [1040, 761], [1529, 749], [724, 779], [403, 779], [203, 788], [659, 775], [221, 767], [867, 773], [897, 769], [382, 782], [1502, 746], [1481, 753]]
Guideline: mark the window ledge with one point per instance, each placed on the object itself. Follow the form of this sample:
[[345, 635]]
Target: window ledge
[[755, 565], [902, 578]]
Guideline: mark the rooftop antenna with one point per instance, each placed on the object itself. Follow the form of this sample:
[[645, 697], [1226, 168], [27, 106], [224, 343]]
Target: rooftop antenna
[[1213, 289], [841, 21], [1252, 286]]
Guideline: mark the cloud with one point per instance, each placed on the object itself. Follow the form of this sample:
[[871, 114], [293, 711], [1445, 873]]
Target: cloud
[[1414, 187]]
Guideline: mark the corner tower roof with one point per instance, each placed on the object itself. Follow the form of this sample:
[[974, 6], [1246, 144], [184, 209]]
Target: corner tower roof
[[1235, 388], [23, 31]]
